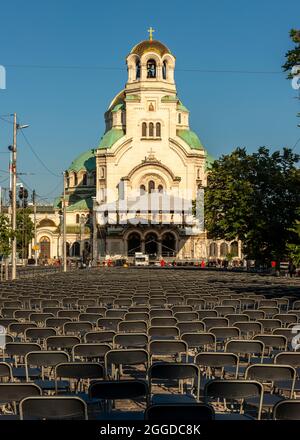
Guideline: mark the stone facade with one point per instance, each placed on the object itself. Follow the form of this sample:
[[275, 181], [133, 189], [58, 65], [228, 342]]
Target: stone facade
[[148, 154]]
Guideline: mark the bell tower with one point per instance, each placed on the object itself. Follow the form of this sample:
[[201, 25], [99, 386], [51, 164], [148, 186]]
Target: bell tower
[[150, 64]]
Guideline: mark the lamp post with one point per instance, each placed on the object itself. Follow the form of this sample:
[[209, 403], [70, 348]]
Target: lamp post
[[13, 171]]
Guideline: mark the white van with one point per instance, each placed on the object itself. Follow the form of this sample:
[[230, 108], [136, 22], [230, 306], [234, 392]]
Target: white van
[[141, 259]]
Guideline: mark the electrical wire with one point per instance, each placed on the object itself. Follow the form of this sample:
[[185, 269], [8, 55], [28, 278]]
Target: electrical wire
[[91, 67], [37, 156]]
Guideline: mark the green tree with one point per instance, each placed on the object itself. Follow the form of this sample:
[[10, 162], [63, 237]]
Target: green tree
[[25, 231], [254, 198], [294, 246], [5, 236], [292, 56]]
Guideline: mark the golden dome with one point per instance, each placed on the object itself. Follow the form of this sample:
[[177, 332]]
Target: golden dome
[[150, 46]]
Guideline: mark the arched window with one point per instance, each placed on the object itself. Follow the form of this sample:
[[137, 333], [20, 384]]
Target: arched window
[[164, 70], [84, 179], [151, 69], [234, 249], [45, 247], [77, 218], [213, 250], [94, 178], [179, 118], [144, 129], [223, 249], [102, 172], [160, 188], [75, 179], [138, 70], [151, 129], [151, 186], [142, 189], [67, 179], [76, 249], [158, 129]]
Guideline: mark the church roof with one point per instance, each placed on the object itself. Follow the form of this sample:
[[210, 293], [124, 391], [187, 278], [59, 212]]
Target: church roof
[[85, 161], [81, 205], [111, 137], [191, 138], [150, 46]]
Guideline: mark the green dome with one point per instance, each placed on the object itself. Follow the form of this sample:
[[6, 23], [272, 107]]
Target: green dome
[[81, 205], [110, 138], [191, 138], [86, 161]]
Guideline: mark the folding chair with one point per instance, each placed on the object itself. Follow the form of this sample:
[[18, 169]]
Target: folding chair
[[90, 352], [12, 393], [53, 408], [110, 391], [268, 375], [116, 360], [164, 373], [177, 350], [234, 391], [131, 340], [287, 410], [78, 374]]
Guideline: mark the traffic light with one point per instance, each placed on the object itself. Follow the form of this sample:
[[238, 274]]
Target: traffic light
[[21, 192]]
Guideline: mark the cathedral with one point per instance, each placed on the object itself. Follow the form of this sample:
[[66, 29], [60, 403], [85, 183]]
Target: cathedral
[[141, 188]]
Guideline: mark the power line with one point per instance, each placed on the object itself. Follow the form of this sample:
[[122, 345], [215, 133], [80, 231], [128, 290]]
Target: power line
[[37, 156], [91, 67]]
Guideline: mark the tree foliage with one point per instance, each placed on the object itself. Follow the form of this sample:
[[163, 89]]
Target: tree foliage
[[25, 231], [254, 198], [5, 236], [292, 56]]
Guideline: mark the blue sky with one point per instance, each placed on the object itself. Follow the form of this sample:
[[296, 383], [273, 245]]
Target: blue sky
[[64, 106]]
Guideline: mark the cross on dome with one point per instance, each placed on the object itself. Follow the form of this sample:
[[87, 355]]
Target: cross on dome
[[151, 30]]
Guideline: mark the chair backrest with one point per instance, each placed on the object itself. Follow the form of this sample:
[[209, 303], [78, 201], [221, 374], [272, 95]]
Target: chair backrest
[[287, 410], [244, 347], [133, 326], [168, 348], [5, 371], [118, 389], [44, 359], [131, 340], [267, 373], [126, 357], [95, 337], [47, 408], [217, 360], [199, 340], [272, 341], [65, 342], [234, 390], [163, 332], [90, 351], [183, 412], [15, 392], [288, 358], [163, 322], [191, 326], [215, 322], [223, 333], [80, 370]]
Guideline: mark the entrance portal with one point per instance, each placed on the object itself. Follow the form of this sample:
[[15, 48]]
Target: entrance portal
[[151, 247], [45, 247], [134, 243], [168, 245]]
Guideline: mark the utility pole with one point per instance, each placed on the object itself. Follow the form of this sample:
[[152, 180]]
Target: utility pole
[[64, 227], [13, 180], [34, 222], [14, 200]]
